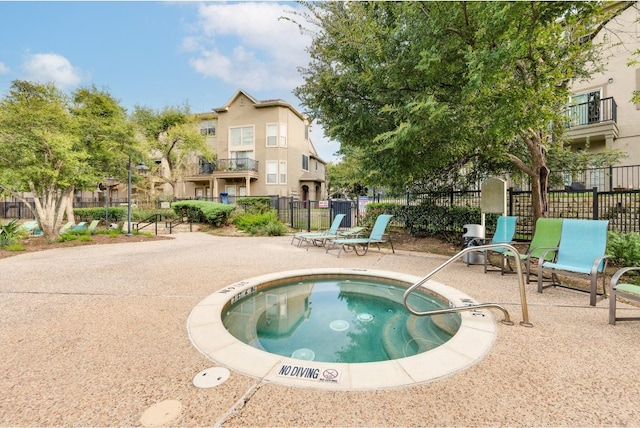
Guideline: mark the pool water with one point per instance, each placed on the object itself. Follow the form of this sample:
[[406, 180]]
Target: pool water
[[339, 320]]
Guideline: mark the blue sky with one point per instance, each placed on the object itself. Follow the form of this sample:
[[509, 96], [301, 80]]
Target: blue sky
[[158, 54]]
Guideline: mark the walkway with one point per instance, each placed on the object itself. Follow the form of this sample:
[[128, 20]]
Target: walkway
[[94, 336]]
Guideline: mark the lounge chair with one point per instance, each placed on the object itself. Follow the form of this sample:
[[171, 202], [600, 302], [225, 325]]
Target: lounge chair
[[581, 252], [377, 237], [93, 225], [66, 227], [28, 227], [79, 227], [505, 231], [545, 237], [316, 237], [624, 290]]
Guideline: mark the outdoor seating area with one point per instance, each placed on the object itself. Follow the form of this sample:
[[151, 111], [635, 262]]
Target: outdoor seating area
[[359, 245], [103, 355]]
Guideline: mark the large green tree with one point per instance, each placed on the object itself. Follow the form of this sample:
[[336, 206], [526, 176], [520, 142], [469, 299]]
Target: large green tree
[[51, 144], [427, 90], [174, 139]]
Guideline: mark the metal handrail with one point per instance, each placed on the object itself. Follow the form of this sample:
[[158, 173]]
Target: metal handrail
[[507, 320]]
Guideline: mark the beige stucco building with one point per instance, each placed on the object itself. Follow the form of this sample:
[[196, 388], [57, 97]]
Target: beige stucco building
[[262, 148], [601, 115]]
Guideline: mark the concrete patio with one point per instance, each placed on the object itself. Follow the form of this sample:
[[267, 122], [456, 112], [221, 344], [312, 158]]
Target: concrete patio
[[96, 335]]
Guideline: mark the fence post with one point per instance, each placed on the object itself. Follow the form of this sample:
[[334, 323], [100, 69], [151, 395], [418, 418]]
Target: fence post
[[291, 211], [308, 204], [595, 203], [510, 193]]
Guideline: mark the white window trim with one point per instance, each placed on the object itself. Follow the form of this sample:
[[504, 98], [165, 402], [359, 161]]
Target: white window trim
[[283, 171], [269, 135], [267, 172]]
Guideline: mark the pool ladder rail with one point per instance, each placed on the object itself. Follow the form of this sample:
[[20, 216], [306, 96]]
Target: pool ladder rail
[[507, 320]]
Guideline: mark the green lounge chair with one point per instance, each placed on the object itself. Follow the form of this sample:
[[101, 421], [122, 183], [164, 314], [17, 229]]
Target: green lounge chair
[[377, 237], [319, 237], [581, 252], [624, 290], [66, 227], [545, 237], [92, 226]]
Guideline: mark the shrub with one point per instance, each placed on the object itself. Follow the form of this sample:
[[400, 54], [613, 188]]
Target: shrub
[[256, 205], [624, 248], [260, 224], [213, 213], [9, 233]]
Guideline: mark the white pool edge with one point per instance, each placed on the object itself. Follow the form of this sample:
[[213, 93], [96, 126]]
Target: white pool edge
[[474, 339]]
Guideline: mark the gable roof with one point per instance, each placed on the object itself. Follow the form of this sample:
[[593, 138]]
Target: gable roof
[[260, 104]]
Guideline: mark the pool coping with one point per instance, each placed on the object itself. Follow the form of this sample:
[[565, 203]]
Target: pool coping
[[474, 339]]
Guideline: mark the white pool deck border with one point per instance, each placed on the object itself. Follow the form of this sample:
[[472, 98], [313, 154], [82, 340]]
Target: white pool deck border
[[472, 341]]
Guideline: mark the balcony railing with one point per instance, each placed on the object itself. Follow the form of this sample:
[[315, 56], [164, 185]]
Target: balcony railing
[[241, 164], [591, 112]]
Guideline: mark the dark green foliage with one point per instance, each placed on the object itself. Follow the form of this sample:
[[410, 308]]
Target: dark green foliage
[[257, 205], [213, 213], [9, 233], [624, 248], [260, 224]]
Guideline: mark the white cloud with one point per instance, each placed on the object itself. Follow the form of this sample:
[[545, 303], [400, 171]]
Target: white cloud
[[3, 68], [51, 68], [246, 44]]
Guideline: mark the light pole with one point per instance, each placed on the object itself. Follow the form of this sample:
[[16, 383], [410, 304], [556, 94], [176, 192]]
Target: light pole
[[140, 167]]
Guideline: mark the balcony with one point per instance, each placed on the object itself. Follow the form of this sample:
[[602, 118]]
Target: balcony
[[224, 168], [592, 121]]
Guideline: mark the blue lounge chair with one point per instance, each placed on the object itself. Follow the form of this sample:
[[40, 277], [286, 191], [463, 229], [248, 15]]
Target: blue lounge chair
[[319, 237], [505, 231], [581, 252], [28, 227], [361, 245], [79, 227]]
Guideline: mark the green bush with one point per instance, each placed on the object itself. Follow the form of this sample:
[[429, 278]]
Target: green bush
[[256, 205], [624, 248], [9, 233], [260, 224], [213, 213], [116, 214]]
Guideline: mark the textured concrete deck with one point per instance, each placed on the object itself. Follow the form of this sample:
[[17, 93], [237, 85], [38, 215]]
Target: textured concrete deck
[[94, 336]]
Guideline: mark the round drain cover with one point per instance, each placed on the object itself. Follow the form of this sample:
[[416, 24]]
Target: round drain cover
[[213, 376], [365, 317], [161, 413], [339, 325], [304, 354]]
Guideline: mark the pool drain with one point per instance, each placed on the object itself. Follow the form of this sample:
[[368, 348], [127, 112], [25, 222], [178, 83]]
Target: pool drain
[[365, 317], [339, 325], [213, 376], [304, 354]]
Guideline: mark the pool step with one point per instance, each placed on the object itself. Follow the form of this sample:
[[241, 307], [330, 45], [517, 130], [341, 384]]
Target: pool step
[[405, 335]]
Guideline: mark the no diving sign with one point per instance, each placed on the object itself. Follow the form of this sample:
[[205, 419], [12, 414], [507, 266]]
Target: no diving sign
[[319, 374]]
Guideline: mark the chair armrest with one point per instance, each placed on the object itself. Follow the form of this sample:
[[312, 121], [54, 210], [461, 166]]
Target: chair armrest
[[596, 263], [543, 256], [616, 276]]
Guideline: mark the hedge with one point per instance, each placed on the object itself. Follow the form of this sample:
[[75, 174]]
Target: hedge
[[213, 213]]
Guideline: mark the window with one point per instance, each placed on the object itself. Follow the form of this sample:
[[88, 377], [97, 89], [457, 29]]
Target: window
[[305, 163], [208, 127], [283, 172], [241, 136], [272, 135], [283, 135], [272, 172]]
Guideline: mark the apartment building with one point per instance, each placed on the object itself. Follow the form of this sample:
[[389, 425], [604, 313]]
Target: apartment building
[[262, 148], [601, 115]]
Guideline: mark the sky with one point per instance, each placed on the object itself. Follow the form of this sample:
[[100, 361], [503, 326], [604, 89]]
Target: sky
[[159, 54]]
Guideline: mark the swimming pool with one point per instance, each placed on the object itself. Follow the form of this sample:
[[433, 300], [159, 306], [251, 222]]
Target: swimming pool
[[473, 338], [339, 320]]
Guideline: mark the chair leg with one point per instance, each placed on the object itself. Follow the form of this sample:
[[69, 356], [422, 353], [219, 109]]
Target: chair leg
[[612, 307]]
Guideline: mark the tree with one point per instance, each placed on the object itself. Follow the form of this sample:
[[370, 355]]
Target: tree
[[51, 144], [173, 136], [428, 90]]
